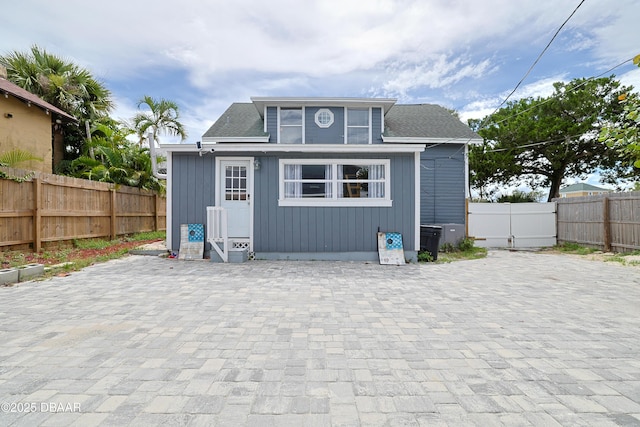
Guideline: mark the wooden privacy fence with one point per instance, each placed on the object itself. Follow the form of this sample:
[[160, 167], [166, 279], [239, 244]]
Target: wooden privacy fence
[[54, 208], [609, 222]]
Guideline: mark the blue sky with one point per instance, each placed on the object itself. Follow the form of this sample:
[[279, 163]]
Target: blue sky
[[204, 55]]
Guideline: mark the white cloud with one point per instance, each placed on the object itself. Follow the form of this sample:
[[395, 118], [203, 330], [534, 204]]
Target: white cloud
[[459, 52], [483, 107], [438, 72]]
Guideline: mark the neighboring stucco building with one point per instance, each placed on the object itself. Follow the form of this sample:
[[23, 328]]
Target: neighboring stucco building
[[582, 189], [28, 123]]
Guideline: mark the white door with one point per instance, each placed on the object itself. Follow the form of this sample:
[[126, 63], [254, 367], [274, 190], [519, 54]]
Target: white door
[[235, 196]]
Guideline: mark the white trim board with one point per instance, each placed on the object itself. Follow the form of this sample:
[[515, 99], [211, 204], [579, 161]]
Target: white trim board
[[295, 148]]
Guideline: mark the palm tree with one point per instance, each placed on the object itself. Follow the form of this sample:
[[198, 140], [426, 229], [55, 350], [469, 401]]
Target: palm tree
[[59, 82], [64, 84], [116, 159], [162, 118]]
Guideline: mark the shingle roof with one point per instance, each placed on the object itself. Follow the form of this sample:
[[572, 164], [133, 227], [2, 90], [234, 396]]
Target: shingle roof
[[242, 120], [239, 121], [581, 186], [425, 121], [24, 95]]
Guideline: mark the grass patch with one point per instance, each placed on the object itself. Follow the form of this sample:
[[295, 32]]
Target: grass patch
[[624, 258], [574, 248], [82, 254], [464, 250], [473, 253]]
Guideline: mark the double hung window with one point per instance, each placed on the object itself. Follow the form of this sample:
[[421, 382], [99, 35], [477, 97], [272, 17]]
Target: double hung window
[[290, 125], [310, 182], [358, 126]]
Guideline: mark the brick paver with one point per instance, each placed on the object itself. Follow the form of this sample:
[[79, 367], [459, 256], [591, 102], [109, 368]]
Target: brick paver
[[514, 339]]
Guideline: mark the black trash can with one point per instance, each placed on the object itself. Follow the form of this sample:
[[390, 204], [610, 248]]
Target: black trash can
[[430, 239]]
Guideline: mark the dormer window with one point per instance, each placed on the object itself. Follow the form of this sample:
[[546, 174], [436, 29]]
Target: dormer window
[[358, 129], [324, 118], [290, 126]]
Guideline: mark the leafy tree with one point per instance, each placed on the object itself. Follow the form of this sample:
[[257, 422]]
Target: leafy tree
[[519, 197], [542, 141], [623, 134], [117, 159]]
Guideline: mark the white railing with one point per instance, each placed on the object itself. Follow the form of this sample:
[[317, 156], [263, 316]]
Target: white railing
[[217, 233]]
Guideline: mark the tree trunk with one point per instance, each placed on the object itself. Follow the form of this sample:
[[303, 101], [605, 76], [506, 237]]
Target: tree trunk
[[556, 181]]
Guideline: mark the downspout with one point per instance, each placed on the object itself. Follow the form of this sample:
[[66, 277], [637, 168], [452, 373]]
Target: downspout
[[154, 162]]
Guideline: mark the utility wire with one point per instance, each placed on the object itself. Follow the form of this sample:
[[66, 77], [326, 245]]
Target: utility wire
[[553, 96], [535, 62], [532, 144]]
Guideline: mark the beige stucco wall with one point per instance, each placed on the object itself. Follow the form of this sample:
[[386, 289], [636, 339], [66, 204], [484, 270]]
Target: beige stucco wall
[[584, 193], [29, 129]]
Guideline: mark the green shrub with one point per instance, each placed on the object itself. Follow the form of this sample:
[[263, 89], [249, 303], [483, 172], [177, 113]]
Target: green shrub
[[466, 244], [424, 256]]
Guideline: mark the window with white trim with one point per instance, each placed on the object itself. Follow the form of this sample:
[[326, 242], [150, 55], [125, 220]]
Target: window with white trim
[[358, 129], [324, 118], [339, 182], [290, 126]]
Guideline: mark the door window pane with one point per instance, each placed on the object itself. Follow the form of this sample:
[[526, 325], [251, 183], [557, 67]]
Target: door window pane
[[235, 183]]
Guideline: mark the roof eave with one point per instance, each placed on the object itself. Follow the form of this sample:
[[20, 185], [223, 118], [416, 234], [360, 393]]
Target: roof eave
[[426, 140], [262, 101], [243, 139], [295, 148], [43, 105]]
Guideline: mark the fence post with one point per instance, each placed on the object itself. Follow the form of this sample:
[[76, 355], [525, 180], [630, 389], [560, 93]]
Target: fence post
[[157, 219], [37, 215], [606, 224], [114, 217]]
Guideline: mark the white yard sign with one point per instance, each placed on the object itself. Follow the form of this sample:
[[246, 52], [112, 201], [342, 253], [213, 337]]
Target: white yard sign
[[390, 250]]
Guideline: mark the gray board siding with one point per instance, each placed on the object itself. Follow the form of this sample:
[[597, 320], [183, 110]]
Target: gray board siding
[[272, 123], [193, 190], [442, 182], [334, 134], [331, 229], [296, 229], [331, 135]]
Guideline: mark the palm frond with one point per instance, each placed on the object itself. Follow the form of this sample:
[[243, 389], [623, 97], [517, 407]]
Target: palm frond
[[13, 158]]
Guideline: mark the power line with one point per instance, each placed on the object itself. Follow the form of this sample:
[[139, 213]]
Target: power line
[[483, 124], [535, 62], [532, 144]]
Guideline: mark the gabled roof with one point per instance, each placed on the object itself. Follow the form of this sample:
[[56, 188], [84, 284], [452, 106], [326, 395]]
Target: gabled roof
[[9, 88], [403, 123], [581, 186], [425, 121]]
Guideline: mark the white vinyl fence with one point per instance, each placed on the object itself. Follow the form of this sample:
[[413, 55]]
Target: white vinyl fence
[[512, 225]]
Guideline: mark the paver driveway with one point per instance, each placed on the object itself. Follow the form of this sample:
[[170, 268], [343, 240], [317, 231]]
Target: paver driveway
[[514, 339]]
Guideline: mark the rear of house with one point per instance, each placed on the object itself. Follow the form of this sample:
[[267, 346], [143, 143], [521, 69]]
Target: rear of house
[[318, 178]]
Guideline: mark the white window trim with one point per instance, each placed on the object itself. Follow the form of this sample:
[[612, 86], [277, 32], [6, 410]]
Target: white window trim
[[303, 127], [346, 124], [317, 115], [335, 202]]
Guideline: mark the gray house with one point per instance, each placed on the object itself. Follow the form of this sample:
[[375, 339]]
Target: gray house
[[317, 178]]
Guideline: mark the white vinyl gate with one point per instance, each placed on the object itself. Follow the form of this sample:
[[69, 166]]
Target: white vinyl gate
[[512, 225]]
